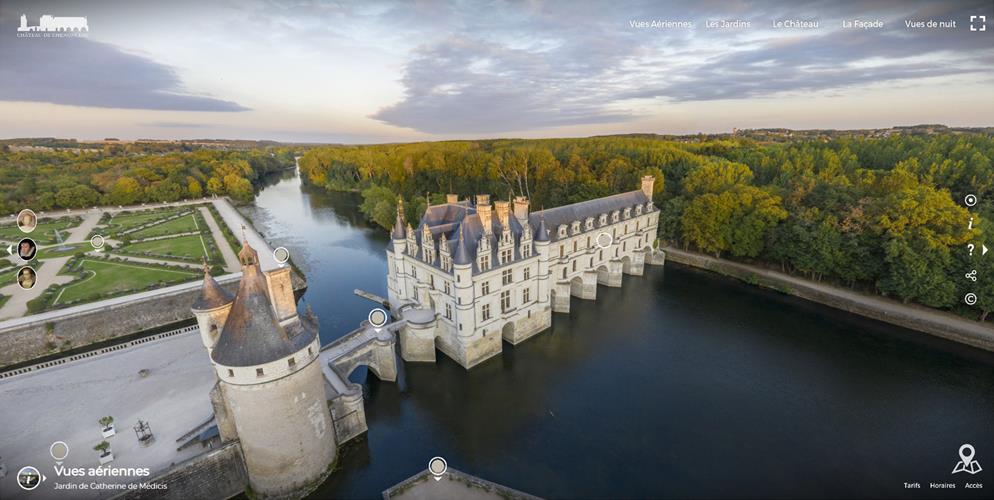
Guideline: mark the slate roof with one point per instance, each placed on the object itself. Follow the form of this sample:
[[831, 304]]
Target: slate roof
[[251, 334], [211, 295], [554, 217], [461, 224]]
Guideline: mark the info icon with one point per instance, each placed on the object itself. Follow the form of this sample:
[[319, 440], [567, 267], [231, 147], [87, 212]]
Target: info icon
[[28, 478]]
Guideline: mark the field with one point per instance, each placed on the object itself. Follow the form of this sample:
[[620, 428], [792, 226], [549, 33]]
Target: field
[[131, 220], [189, 248], [105, 279], [184, 224], [44, 234]]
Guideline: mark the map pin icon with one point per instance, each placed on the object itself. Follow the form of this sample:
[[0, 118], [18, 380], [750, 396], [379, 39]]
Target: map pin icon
[[966, 453]]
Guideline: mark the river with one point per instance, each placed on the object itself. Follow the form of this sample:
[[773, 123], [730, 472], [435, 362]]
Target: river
[[679, 384]]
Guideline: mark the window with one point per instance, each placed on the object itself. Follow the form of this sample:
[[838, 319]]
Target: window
[[506, 255], [574, 245], [600, 255], [528, 273], [414, 272], [310, 352], [431, 281], [526, 251], [486, 312], [564, 273], [291, 363], [588, 241], [446, 263], [231, 373], [505, 300], [589, 223], [576, 227], [526, 295], [602, 219], [484, 262], [485, 288], [562, 251], [448, 288], [259, 372], [562, 231], [506, 277], [574, 266], [448, 311]]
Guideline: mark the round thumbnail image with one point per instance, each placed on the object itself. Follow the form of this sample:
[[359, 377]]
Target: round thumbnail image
[[28, 478], [27, 221], [26, 278], [26, 249]]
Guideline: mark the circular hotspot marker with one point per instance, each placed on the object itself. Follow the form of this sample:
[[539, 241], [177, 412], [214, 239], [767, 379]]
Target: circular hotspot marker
[[970, 299], [604, 240], [27, 249], [59, 450], [378, 317], [97, 242], [27, 221], [437, 466], [970, 200], [26, 278], [28, 478], [281, 254]]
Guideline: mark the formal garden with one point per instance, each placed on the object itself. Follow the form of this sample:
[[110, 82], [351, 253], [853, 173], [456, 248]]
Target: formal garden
[[44, 233]]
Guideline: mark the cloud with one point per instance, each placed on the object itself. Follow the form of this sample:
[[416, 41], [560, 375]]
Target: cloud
[[83, 72], [555, 64], [167, 124]]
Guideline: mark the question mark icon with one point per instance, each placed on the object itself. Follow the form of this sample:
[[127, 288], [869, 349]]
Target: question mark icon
[[971, 247]]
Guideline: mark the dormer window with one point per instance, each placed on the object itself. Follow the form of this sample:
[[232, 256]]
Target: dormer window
[[648, 207], [628, 212], [638, 209], [575, 227], [562, 231], [589, 223], [602, 220], [614, 216]]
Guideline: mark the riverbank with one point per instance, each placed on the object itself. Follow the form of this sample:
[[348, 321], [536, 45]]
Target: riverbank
[[914, 317]]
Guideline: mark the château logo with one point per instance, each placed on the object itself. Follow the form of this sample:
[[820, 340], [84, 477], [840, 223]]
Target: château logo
[[53, 27]]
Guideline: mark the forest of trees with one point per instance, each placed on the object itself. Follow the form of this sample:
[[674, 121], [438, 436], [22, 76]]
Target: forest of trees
[[883, 215], [45, 180]]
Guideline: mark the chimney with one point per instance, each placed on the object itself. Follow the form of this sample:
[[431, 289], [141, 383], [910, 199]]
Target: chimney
[[484, 209], [503, 210], [452, 198], [521, 208], [647, 181]]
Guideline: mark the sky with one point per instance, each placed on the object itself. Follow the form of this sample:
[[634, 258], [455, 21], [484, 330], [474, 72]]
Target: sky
[[384, 71]]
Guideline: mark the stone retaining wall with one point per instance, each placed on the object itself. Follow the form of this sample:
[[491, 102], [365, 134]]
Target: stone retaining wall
[[47, 336], [930, 321], [218, 474]]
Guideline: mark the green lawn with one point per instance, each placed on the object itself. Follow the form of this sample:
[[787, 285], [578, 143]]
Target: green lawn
[[106, 279], [44, 234], [190, 248], [3, 299], [185, 224], [126, 221]]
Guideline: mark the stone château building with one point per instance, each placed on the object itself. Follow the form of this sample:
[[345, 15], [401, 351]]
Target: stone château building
[[472, 274], [270, 394]]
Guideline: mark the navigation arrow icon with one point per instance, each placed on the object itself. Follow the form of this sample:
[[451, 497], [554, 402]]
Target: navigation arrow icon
[[983, 249]]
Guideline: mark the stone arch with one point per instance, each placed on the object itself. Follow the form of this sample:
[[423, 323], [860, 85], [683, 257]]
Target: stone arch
[[626, 264], [507, 331], [602, 274], [576, 286]]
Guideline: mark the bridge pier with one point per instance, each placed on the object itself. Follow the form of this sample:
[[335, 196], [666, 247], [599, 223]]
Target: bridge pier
[[610, 275], [417, 337], [584, 286], [560, 297], [635, 264]]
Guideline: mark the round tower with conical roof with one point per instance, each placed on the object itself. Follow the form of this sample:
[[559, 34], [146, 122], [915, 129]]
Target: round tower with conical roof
[[271, 384]]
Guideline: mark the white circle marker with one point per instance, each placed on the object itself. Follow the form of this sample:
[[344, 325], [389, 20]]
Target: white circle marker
[[28, 478], [378, 317], [970, 200], [437, 467], [97, 242], [604, 240], [281, 254], [59, 450], [970, 299]]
